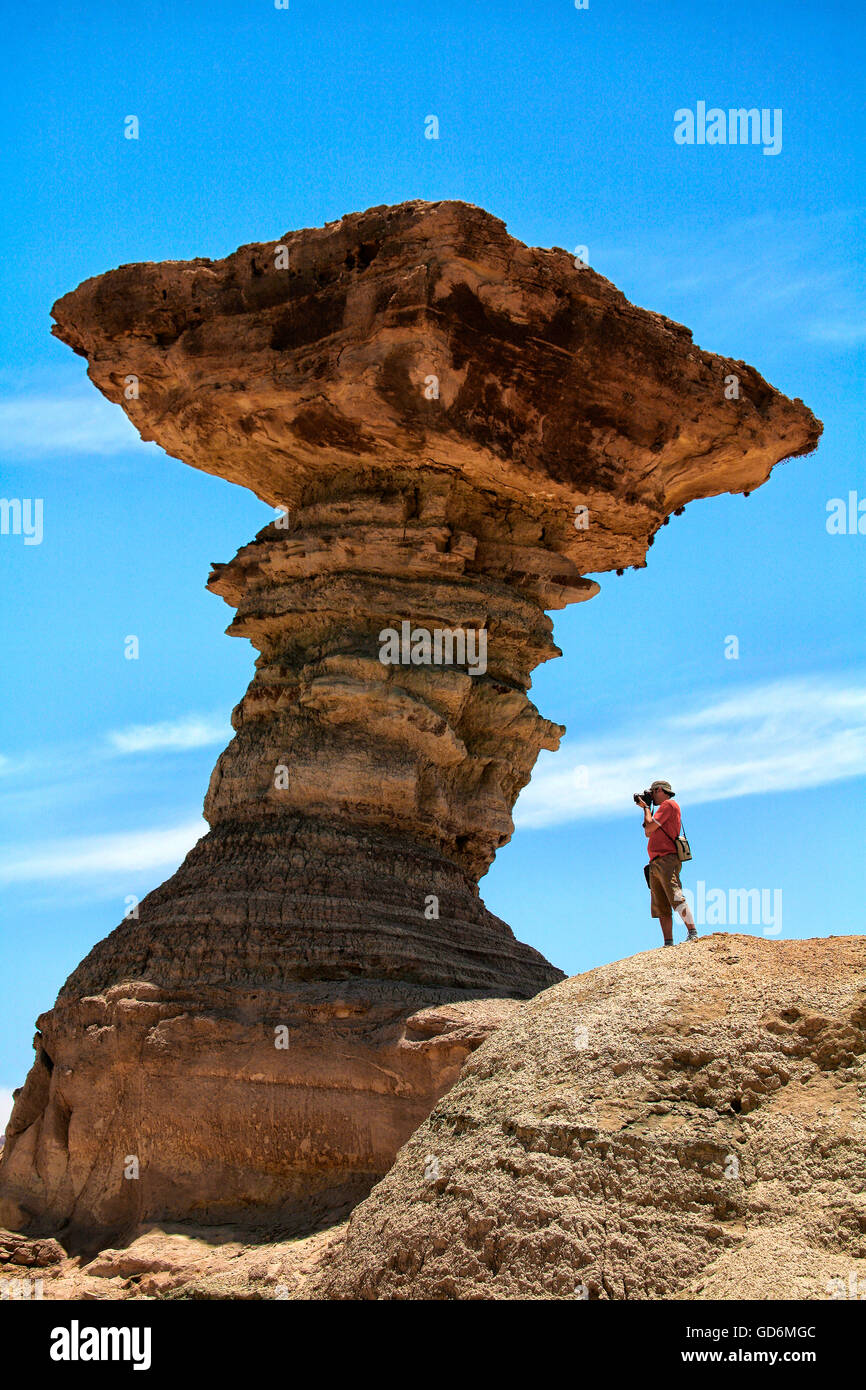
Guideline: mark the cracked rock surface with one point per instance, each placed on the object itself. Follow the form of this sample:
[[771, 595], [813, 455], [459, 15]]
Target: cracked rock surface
[[687, 1123]]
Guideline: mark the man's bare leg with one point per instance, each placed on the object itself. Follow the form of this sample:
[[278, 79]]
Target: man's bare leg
[[667, 927]]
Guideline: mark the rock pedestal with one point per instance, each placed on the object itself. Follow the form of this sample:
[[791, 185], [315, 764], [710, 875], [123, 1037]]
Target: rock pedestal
[[453, 429]]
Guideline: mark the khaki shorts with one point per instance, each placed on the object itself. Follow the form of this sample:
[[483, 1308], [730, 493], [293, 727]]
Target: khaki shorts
[[666, 891]]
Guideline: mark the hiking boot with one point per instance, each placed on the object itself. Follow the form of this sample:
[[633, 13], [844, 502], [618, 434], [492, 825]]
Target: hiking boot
[[693, 936]]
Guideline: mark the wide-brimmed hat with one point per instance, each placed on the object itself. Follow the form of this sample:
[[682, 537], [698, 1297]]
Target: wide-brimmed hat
[[663, 786]]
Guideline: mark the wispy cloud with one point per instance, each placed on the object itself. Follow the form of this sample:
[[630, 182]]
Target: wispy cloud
[[842, 332], [747, 273], [782, 736], [74, 760], [192, 731], [70, 783], [65, 423], [97, 856], [5, 1107]]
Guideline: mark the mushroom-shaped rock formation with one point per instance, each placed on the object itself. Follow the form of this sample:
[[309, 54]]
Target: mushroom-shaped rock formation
[[454, 429]]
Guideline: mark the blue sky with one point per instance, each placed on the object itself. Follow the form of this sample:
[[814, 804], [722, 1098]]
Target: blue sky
[[255, 121]]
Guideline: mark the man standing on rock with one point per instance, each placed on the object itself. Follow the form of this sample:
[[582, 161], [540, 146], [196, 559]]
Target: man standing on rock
[[663, 876]]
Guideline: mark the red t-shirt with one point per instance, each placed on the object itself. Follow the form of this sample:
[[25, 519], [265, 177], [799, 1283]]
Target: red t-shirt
[[662, 841]]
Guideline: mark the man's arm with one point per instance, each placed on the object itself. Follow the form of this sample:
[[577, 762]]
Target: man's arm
[[649, 824]]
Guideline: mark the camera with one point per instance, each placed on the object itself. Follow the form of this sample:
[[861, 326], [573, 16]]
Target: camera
[[644, 796]]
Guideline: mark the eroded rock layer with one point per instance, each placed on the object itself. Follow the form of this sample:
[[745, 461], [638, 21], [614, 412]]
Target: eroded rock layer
[[439, 750], [454, 429]]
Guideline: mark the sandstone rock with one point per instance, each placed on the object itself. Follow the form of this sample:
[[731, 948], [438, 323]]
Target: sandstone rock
[[18, 1250], [703, 1139], [226, 1126], [188, 1262], [126, 1264], [432, 406]]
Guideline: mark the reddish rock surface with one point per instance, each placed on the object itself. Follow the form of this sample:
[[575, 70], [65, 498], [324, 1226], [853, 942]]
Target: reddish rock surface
[[429, 402]]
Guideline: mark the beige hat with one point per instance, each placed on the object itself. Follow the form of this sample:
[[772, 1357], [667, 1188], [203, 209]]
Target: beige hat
[[663, 786]]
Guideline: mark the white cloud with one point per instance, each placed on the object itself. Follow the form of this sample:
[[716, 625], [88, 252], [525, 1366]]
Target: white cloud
[[64, 423], [782, 736], [844, 332], [748, 273], [126, 852], [5, 1107], [193, 731]]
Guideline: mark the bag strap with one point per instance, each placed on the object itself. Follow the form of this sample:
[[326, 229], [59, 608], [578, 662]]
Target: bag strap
[[673, 838]]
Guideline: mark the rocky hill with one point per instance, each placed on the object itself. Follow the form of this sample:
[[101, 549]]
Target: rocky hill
[[687, 1123]]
